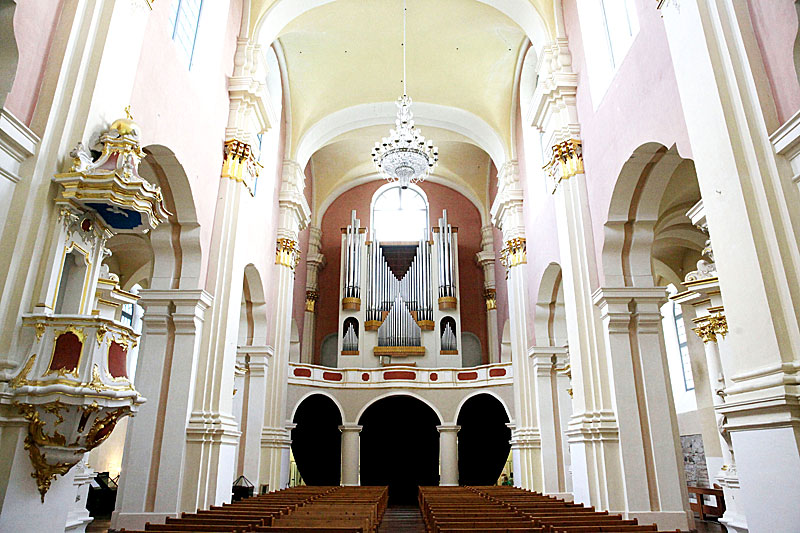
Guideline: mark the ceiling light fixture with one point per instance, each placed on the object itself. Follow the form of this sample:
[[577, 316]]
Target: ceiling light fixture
[[404, 156]]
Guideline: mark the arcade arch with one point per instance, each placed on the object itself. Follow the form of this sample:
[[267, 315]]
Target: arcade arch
[[316, 442], [483, 440]]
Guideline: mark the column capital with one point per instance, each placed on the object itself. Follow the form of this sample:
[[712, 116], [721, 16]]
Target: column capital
[[349, 427], [448, 428]]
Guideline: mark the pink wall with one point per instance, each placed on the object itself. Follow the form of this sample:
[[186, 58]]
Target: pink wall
[[461, 214], [34, 27], [191, 116], [641, 105], [775, 26], [540, 230]]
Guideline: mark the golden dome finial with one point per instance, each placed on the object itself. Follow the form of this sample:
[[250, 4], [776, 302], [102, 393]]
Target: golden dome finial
[[126, 126]]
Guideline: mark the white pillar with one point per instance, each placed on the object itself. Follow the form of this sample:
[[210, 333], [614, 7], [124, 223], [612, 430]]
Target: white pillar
[[351, 435], [448, 455], [650, 451], [553, 465], [751, 205], [253, 411], [294, 215], [507, 214], [152, 479]]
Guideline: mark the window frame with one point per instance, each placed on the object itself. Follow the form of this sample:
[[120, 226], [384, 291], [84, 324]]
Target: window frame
[[385, 189], [177, 13]]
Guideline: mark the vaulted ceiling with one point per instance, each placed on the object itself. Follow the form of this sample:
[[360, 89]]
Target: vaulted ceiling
[[344, 57]]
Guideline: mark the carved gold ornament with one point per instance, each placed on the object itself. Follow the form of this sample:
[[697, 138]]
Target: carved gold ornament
[[566, 161], [490, 297], [101, 334], [311, 301], [708, 327], [39, 328], [514, 253], [21, 379], [240, 165], [287, 253]]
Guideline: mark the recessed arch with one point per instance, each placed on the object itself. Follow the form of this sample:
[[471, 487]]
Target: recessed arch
[[399, 393], [483, 440], [466, 192], [316, 440], [384, 113], [476, 393], [323, 393], [176, 244], [549, 321]]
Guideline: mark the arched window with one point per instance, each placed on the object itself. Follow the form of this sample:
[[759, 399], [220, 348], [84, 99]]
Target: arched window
[[399, 215]]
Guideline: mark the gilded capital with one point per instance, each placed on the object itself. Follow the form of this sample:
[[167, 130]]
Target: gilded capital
[[514, 253], [709, 326], [287, 253], [240, 164], [566, 161], [311, 301], [490, 297]]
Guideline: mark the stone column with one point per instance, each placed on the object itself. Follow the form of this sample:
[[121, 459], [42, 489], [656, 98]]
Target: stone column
[[751, 205], [315, 262], [485, 259], [350, 454], [507, 214], [155, 445], [257, 360], [294, 216], [593, 438], [448, 455], [554, 471], [649, 445]]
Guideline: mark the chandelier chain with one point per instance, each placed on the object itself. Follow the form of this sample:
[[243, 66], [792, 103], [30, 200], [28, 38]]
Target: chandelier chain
[[404, 48]]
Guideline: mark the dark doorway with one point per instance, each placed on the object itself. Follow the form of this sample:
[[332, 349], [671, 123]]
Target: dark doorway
[[483, 442], [316, 441], [400, 447]]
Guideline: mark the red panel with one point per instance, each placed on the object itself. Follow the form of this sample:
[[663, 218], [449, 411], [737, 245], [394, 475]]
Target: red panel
[[302, 372], [399, 374], [495, 372], [332, 376], [466, 376], [117, 360], [434, 376], [67, 352], [365, 376]]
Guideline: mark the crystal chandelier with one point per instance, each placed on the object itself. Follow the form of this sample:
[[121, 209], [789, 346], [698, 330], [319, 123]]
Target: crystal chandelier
[[404, 156]]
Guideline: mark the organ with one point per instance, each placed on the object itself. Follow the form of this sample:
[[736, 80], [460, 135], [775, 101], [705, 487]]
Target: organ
[[399, 300]]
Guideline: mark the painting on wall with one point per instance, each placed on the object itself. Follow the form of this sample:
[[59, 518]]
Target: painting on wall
[[694, 461]]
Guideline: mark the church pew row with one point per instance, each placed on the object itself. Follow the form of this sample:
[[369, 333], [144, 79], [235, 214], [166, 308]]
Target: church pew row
[[500, 508], [295, 510]]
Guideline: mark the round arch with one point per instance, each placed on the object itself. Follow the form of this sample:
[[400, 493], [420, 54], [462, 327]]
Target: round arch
[[399, 393], [549, 325], [476, 393], [321, 393], [384, 113], [255, 307], [177, 260], [633, 214], [483, 440], [316, 440], [466, 192], [399, 446]]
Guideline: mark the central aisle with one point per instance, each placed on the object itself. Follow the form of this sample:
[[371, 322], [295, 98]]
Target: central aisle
[[402, 519]]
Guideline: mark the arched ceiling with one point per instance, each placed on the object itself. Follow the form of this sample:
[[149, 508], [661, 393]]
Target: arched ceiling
[[338, 55]]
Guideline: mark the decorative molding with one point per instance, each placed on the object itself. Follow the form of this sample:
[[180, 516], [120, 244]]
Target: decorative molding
[[514, 253], [287, 253], [709, 326], [566, 161]]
